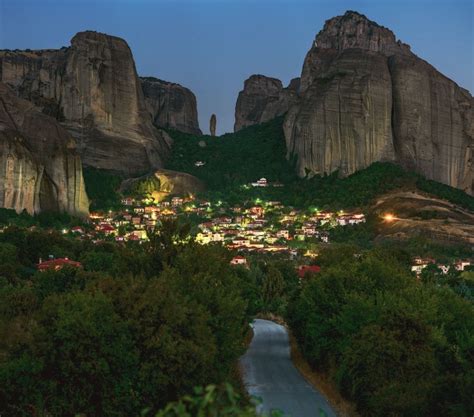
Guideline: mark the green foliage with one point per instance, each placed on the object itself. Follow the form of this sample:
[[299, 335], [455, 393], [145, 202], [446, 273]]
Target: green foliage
[[102, 188], [454, 195], [236, 159], [211, 401], [140, 326], [144, 187], [45, 219], [395, 346]]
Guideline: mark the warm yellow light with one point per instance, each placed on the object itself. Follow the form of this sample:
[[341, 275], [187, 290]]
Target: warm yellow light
[[389, 217]]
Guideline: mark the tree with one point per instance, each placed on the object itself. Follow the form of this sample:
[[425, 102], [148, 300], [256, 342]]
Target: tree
[[273, 287], [81, 359]]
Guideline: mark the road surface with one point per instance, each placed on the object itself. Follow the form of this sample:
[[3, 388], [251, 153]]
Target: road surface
[[269, 374]]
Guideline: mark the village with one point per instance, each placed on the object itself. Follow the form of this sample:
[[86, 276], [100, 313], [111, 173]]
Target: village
[[257, 227]]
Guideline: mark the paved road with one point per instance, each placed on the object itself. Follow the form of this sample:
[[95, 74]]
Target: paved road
[[270, 374]]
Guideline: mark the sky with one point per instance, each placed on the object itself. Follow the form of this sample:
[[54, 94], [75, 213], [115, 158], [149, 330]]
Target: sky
[[212, 46]]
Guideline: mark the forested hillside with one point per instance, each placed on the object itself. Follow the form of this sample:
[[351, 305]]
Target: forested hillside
[[234, 160]]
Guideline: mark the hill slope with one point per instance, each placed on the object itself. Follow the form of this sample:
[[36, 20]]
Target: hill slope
[[234, 160]]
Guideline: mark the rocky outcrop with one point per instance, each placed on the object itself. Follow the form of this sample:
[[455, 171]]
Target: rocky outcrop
[[91, 87], [419, 214], [40, 169], [342, 121], [171, 105], [164, 183], [365, 97], [213, 125], [433, 123], [262, 99]]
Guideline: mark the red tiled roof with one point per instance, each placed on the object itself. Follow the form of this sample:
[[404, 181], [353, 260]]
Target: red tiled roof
[[107, 227], [304, 269], [57, 264]]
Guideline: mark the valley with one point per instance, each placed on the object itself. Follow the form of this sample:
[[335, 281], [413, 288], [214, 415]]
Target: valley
[[136, 251]]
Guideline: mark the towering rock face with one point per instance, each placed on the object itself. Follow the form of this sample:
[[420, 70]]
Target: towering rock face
[[171, 105], [433, 123], [262, 99], [365, 97], [40, 168], [92, 87]]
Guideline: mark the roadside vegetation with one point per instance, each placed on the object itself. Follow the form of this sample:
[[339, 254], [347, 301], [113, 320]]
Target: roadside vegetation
[[139, 326], [394, 346]]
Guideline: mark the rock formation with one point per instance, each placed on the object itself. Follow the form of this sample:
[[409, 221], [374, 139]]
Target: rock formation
[[262, 99], [213, 125], [171, 105], [40, 168], [91, 87], [164, 183], [365, 97]]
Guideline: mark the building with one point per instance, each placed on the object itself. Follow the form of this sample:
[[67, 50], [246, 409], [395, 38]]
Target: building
[[78, 230], [57, 264], [239, 260], [461, 265], [420, 263], [257, 210], [128, 201], [303, 270], [262, 182], [107, 229], [136, 220], [176, 201], [283, 234]]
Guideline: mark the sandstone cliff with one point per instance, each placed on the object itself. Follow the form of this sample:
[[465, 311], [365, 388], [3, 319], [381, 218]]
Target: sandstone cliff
[[40, 168], [365, 97], [171, 105], [91, 87], [262, 99]]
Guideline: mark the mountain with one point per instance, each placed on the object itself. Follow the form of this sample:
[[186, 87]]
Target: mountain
[[171, 105], [40, 168], [262, 99], [365, 97], [93, 89]]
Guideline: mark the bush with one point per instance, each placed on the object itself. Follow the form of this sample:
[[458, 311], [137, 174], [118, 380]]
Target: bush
[[393, 345]]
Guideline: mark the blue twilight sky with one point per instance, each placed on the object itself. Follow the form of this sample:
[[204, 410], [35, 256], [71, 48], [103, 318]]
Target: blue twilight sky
[[212, 46]]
